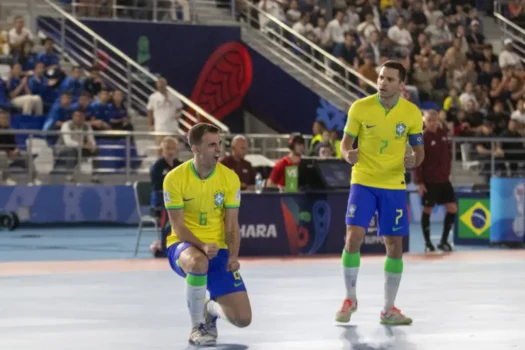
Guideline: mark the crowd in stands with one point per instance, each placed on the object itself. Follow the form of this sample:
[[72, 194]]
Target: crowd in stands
[[36, 85]]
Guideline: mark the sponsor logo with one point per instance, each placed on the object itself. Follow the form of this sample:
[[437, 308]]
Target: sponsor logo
[[258, 231], [167, 197]]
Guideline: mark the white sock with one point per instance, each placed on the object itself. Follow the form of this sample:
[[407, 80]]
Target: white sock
[[196, 297], [392, 281], [215, 309], [351, 281]]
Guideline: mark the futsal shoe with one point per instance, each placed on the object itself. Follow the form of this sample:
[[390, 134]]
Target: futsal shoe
[[200, 336], [445, 246], [210, 321], [346, 311], [429, 247], [394, 317]]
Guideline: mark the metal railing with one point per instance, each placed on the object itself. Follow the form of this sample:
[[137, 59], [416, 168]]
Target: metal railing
[[323, 68], [510, 29], [127, 154], [82, 46]]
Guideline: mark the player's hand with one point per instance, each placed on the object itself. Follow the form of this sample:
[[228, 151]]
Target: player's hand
[[421, 189], [233, 264], [410, 160], [352, 156], [210, 250]]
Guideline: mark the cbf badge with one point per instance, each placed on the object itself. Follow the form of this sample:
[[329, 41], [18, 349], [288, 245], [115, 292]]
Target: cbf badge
[[400, 129], [166, 197]]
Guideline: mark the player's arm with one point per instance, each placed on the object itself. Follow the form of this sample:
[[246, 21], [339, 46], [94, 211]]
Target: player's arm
[[232, 203], [352, 127], [415, 138], [175, 207]]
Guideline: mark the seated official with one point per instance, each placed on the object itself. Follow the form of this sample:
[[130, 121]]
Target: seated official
[[76, 143], [236, 162], [167, 162], [119, 117], [277, 177], [11, 156]]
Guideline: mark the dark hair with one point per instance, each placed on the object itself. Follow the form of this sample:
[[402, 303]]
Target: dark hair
[[397, 66], [197, 132]]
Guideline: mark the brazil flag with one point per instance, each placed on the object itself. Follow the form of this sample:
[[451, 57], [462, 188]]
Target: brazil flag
[[474, 218]]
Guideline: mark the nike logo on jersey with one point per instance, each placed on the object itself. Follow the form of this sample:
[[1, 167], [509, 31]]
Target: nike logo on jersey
[[369, 126], [187, 199]]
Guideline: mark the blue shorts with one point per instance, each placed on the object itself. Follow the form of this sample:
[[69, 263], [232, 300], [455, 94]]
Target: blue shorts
[[220, 280], [391, 207]]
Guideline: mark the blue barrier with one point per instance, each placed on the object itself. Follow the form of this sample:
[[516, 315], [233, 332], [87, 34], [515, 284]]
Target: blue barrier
[[507, 210]]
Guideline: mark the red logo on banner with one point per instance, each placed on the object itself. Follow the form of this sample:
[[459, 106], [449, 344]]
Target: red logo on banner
[[224, 80]]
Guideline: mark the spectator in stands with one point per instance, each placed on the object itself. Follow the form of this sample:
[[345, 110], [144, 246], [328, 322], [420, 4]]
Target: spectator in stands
[[317, 132], [10, 155], [517, 11], [277, 177], [293, 15], [440, 35], [119, 113], [304, 28], [337, 28], [325, 140], [49, 57], [102, 111], [94, 84], [84, 105], [397, 11], [475, 38], [508, 58], [18, 35], [164, 110], [20, 94], [368, 70], [76, 142], [4, 98], [513, 152], [468, 95], [519, 114], [60, 113], [40, 85], [432, 13], [366, 28], [347, 54], [4, 46], [335, 142], [486, 150], [322, 36], [273, 8], [452, 102], [26, 58], [498, 118], [73, 84], [400, 37], [237, 162]]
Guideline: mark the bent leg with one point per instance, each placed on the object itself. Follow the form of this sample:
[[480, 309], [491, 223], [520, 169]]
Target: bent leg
[[234, 308]]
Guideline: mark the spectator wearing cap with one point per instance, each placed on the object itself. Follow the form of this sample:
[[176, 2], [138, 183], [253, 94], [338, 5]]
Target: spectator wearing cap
[[277, 177], [236, 161], [11, 156], [507, 57]]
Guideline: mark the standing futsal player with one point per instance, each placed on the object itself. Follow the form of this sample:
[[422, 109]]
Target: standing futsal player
[[382, 123], [203, 197], [432, 179]]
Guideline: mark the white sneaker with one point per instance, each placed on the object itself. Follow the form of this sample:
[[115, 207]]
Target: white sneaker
[[394, 317], [346, 311], [10, 182], [210, 321], [199, 336]]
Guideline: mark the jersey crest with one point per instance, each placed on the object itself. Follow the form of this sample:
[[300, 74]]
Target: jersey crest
[[218, 199], [400, 129]]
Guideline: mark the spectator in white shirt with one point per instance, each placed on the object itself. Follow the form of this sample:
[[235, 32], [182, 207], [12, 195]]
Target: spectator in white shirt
[[18, 35], [366, 28], [508, 58], [432, 13], [401, 36], [272, 8], [468, 95], [322, 35], [519, 114], [304, 28], [337, 28], [293, 15], [164, 111], [440, 35], [352, 17]]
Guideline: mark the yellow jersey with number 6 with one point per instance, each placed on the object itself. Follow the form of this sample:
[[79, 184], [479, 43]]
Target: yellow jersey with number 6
[[204, 201], [382, 140]]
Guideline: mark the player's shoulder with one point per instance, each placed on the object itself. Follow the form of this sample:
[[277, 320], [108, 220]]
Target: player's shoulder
[[365, 101], [410, 108], [225, 172], [181, 169]]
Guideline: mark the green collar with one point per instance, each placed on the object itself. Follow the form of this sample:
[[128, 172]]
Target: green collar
[[197, 174], [386, 109]]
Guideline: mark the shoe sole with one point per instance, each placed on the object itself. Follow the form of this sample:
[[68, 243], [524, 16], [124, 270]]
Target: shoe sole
[[344, 317], [209, 343], [389, 323]]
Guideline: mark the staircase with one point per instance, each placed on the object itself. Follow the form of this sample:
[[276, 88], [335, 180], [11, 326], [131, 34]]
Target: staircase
[[510, 30]]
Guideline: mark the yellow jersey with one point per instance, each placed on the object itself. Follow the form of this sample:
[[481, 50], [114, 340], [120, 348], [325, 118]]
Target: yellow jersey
[[204, 201], [382, 140]]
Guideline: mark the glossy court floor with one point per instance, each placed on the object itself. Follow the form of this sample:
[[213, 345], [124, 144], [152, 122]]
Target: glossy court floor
[[76, 289]]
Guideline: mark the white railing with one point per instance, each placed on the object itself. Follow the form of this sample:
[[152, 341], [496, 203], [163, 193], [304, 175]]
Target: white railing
[[511, 30], [325, 69], [84, 47]]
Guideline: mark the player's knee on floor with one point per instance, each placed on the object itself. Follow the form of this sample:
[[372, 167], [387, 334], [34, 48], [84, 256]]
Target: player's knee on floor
[[195, 262], [394, 246], [241, 319], [354, 238]]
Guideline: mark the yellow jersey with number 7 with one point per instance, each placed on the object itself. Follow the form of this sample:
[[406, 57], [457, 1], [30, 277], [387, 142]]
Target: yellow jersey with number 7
[[382, 138], [204, 201]]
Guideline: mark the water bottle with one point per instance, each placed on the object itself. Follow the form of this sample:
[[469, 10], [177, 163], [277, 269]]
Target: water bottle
[[259, 184]]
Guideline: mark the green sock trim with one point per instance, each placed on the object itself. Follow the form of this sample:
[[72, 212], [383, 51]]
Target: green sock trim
[[393, 265], [196, 280], [351, 259]]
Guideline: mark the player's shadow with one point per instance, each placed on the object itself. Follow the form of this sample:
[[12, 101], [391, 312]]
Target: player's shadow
[[390, 339], [219, 347]]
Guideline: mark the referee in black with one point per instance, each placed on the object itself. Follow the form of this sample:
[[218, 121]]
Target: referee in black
[[432, 179]]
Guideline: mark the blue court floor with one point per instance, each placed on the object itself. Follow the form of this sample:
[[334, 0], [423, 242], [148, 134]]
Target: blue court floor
[[465, 300]]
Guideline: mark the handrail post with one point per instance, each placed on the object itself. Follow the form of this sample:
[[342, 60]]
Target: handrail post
[[233, 8], [155, 9], [30, 170], [130, 84], [492, 159], [453, 172], [79, 159], [128, 158], [62, 22], [114, 9]]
